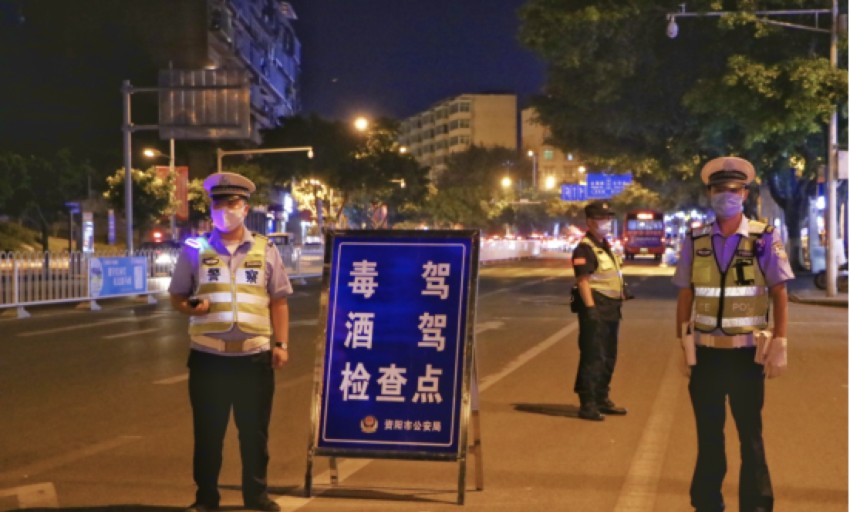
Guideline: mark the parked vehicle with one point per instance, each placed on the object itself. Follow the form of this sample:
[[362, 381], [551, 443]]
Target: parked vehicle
[[841, 279]]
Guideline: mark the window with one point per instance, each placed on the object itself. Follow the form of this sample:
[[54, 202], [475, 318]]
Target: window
[[548, 154]]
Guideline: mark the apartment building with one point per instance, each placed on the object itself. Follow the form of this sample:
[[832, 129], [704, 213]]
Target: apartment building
[[455, 124], [553, 166]]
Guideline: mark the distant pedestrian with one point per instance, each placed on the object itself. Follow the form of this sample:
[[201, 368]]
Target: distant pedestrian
[[729, 273], [234, 288], [597, 297]]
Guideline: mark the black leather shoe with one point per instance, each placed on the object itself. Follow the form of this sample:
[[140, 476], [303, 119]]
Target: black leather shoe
[[263, 504], [588, 412], [200, 507], [609, 407]]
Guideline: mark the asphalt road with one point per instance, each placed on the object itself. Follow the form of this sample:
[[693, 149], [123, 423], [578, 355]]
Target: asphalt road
[[94, 412]]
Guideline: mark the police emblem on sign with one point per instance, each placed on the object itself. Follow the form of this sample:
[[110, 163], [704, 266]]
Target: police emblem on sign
[[369, 425]]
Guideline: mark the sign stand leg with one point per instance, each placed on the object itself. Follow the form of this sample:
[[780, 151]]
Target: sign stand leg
[[334, 472], [308, 477], [477, 451]]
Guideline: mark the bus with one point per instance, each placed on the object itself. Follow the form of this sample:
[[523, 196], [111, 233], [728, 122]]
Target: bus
[[643, 234]]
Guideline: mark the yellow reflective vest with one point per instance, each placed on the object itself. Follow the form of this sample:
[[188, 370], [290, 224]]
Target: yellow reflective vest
[[735, 301], [607, 279], [237, 298]]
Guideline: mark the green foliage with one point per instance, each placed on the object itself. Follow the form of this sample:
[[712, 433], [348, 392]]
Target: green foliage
[[14, 237], [152, 195]]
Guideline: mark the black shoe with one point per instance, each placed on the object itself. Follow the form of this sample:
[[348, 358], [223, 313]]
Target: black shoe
[[200, 507], [609, 407], [590, 412], [263, 504]]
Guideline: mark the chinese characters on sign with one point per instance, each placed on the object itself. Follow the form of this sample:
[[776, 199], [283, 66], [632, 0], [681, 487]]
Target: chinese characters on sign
[[598, 186], [395, 343]]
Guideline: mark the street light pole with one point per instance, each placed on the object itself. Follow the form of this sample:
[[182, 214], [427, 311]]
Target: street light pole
[[127, 129]]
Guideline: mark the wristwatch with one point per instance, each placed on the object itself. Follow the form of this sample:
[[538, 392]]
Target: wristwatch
[[280, 344]]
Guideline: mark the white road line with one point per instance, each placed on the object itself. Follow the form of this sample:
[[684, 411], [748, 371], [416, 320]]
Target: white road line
[[130, 333], [348, 467], [173, 380], [33, 495], [66, 458], [84, 325], [640, 488]]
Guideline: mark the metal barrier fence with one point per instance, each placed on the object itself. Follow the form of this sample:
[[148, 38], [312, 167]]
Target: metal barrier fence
[[41, 278]]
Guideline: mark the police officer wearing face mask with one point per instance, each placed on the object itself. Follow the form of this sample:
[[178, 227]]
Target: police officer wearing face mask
[[729, 273], [234, 288], [598, 296]]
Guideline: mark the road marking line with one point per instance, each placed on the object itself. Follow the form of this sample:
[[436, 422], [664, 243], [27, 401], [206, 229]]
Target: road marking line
[[348, 467], [66, 458], [34, 495], [74, 327], [640, 488], [526, 356], [130, 333]]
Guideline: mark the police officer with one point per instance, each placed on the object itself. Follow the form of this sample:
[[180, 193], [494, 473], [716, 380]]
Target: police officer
[[599, 295], [234, 288], [728, 274]]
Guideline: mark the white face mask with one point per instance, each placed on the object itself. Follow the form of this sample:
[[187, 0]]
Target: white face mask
[[727, 204], [228, 219], [603, 227]]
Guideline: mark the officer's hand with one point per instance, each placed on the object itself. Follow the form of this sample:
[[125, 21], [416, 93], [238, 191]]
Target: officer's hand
[[684, 367], [593, 314], [776, 359], [279, 357], [202, 308]]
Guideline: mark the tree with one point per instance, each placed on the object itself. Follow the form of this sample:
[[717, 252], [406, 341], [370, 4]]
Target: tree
[[152, 196], [37, 189], [619, 89]]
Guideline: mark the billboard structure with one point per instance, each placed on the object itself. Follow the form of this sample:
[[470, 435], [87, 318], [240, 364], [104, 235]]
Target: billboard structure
[[395, 366]]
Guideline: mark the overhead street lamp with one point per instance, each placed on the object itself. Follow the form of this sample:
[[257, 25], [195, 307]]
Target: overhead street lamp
[[832, 167], [361, 124], [155, 153]]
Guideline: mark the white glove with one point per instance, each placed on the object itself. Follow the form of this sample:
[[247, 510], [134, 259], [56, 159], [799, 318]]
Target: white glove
[[689, 355], [776, 358]]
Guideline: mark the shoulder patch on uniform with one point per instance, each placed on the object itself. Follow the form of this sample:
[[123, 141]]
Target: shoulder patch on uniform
[[779, 250], [580, 261]]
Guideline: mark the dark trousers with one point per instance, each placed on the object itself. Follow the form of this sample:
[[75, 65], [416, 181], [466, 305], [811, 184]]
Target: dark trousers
[[720, 373], [218, 384], [597, 343]]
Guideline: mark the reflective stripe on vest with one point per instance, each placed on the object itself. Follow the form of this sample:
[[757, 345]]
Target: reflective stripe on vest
[[737, 300], [239, 298], [607, 279]]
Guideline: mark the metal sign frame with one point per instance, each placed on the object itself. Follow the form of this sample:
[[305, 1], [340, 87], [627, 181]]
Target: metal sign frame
[[467, 391]]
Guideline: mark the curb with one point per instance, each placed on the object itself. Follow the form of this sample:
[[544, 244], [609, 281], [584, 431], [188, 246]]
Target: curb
[[840, 302]]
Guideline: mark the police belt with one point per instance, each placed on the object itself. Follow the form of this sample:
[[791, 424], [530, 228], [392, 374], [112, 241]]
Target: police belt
[[737, 341], [247, 346]]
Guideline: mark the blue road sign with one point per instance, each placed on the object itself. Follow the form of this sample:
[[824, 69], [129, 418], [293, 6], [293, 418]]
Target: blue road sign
[[606, 186], [573, 192], [396, 341], [117, 276]]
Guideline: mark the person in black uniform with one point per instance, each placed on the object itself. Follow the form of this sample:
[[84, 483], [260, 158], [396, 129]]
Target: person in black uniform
[[598, 297]]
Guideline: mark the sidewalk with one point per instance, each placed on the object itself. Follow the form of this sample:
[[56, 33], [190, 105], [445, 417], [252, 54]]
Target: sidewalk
[[802, 290]]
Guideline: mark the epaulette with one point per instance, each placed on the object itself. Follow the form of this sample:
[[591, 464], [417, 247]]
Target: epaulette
[[264, 238], [758, 228], [701, 231]]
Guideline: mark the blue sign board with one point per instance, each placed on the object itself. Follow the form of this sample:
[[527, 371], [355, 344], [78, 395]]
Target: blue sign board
[[605, 186], [396, 339], [117, 276], [573, 192]]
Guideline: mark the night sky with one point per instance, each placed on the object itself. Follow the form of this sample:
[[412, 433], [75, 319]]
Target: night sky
[[395, 58], [64, 62]]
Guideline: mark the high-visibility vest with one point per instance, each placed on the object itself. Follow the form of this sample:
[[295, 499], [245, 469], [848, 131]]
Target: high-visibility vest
[[736, 300], [607, 279], [239, 298]]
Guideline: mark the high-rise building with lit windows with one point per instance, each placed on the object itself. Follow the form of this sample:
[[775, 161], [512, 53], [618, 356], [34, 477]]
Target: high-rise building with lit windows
[[455, 124]]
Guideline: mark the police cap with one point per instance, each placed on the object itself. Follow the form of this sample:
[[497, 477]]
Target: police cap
[[728, 170], [598, 210], [228, 184]]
